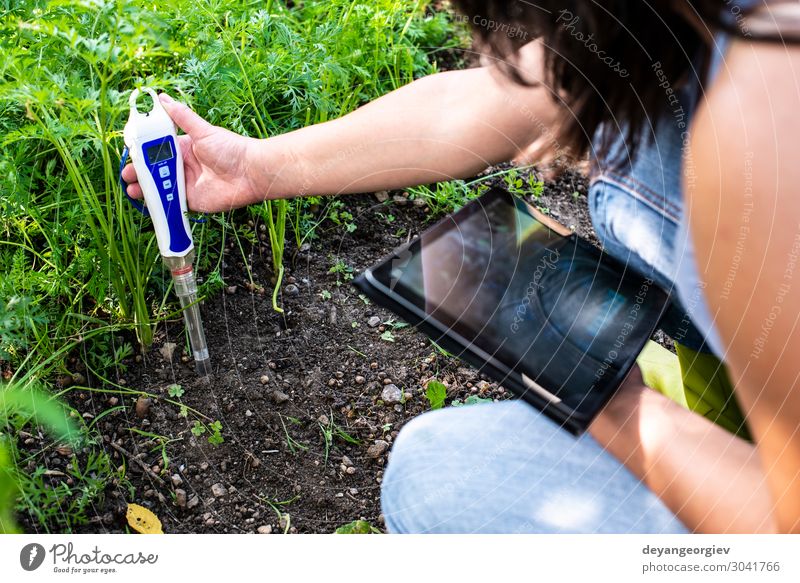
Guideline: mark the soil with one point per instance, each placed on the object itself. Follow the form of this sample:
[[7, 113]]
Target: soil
[[280, 381]]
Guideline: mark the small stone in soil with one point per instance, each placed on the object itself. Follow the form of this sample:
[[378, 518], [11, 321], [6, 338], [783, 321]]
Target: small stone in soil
[[266, 529], [291, 290], [180, 498], [218, 490], [378, 448], [143, 407], [167, 350], [193, 501], [231, 289], [392, 394], [176, 480], [360, 380], [374, 321], [264, 379], [279, 397]]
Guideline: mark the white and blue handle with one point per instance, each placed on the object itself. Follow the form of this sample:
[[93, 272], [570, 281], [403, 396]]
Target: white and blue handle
[[151, 140]]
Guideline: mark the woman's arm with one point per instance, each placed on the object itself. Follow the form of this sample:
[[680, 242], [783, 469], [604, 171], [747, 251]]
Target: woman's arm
[[745, 148], [709, 478], [448, 125], [445, 126]]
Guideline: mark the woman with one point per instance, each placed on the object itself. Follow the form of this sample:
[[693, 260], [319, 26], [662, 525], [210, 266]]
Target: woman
[[690, 124]]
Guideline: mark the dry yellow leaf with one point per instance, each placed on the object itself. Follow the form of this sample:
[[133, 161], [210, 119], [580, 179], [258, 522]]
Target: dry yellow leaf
[[142, 520]]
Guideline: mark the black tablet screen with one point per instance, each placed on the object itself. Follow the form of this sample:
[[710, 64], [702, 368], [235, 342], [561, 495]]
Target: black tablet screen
[[547, 306]]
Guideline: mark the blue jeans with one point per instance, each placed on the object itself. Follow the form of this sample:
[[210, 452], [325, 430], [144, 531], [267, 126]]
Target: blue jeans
[[505, 467]]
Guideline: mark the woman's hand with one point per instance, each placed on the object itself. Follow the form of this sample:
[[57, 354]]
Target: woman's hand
[[219, 165]]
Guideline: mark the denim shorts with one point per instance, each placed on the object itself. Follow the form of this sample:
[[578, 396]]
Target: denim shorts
[[636, 206]]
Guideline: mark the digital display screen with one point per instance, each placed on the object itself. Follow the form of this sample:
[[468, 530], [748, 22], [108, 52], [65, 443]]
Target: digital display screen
[[159, 152], [549, 307]]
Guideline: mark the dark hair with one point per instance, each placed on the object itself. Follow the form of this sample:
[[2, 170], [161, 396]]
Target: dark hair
[[611, 60]]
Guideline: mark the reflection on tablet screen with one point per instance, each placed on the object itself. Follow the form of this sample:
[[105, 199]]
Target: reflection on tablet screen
[[545, 305]]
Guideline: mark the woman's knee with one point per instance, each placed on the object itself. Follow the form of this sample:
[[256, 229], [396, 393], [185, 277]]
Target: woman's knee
[[441, 458], [408, 482]]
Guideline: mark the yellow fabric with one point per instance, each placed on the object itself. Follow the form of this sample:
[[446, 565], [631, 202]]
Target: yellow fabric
[[661, 371], [696, 380], [709, 390]]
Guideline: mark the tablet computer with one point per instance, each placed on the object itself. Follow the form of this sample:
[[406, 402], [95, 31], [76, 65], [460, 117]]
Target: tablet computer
[[530, 304]]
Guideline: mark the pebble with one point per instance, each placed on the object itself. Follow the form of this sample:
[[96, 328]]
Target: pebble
[[167, 350], [180, 498], [382, 196], [378, 448], [391, 394], [231, 289], [350, 471], [218, 490], [143, 407], [373, 322], [264, 379], [248, 413], [347, 461], [279, 397], [63, 381], [266, 529], [360, 380], [193, 501], [291, 290]]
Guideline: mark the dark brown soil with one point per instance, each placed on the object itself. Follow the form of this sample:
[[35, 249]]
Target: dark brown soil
[[280, 381]]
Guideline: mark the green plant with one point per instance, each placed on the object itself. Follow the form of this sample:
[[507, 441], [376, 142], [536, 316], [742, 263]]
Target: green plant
[[333, 430], [293, 445], [19, 407], [342, 271], [214, 429], [523, 185], [357, 527], [175, 391], [436, 393], [387, 336], [284, 518], [216, 433], [471, 400]]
